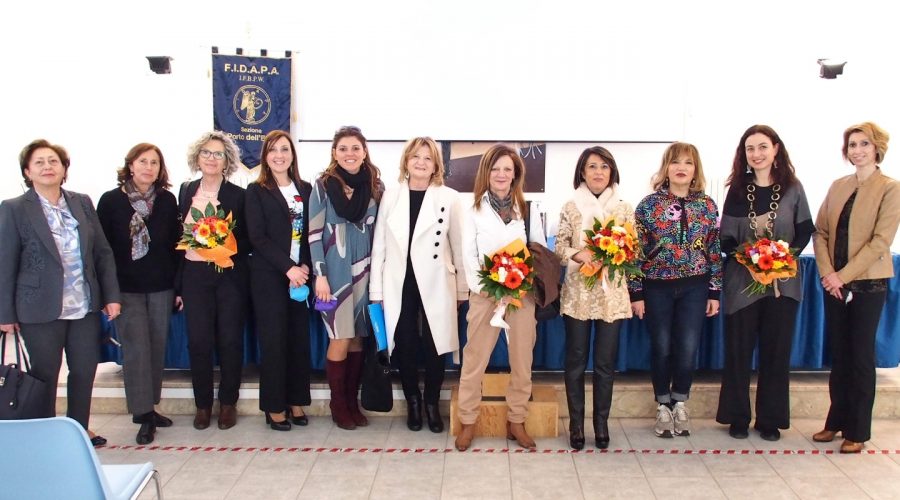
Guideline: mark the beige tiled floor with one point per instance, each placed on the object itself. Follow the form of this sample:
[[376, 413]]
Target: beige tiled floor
[[638, 466]]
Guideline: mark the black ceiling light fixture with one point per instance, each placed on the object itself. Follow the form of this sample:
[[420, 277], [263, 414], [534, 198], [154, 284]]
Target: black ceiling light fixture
[[161, 65], [830, 70]]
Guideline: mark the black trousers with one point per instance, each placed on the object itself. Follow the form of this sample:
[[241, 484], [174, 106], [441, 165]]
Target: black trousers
[[215, 308], [768, 322], [282, 326], [80, 339], [412, 336], [851, 328], [606, 347]]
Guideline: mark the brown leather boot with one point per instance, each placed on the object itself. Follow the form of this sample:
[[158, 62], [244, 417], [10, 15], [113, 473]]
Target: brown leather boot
[[852, 447], [201, 419], [517, 432], [336, 373], [824, 436], [354, 374], [465, 437], [227, 416]]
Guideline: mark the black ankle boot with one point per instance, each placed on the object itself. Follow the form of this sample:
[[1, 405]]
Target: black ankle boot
[[414, 413], [601, 435], [433, 415], [576, 436]]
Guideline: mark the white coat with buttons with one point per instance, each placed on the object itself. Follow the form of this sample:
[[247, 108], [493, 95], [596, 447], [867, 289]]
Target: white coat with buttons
[[436, 254]]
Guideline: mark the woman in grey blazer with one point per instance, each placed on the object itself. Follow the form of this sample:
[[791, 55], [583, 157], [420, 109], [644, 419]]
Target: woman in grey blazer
[[56, 271]]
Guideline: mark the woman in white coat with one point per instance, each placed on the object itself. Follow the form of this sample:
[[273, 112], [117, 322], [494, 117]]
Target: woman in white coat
[[417, 241]]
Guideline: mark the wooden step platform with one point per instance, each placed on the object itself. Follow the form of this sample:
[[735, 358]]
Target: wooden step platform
[[632, 394], [543, 409]]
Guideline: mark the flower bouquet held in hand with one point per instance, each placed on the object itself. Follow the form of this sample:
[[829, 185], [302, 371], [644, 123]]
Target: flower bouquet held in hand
[[506, 276], [211, 235], [767, 261], [614, 249]]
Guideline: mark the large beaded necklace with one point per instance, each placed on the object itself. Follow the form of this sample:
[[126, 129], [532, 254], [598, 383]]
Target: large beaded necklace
[[773, 207]]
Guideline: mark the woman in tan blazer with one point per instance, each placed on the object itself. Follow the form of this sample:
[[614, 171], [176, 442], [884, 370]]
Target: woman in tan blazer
[[854, 231]]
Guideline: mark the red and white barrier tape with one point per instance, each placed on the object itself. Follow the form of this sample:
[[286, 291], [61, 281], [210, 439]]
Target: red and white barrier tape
[[617, 451]]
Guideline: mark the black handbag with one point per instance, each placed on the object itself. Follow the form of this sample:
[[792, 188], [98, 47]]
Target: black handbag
[[377, 390], [22, 395]]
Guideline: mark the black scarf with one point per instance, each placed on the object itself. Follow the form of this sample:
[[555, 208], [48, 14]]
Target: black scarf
[[354, 208]]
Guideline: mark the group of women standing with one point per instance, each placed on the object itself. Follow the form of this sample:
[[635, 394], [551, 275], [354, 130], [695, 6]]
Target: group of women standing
[[682, 247], [416, 249]]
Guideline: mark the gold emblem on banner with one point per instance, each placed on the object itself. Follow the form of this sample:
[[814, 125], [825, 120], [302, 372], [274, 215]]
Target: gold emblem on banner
[[251, 104]]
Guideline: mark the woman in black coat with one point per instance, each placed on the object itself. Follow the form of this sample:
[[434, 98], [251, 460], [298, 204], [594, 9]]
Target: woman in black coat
[[215, 298], [277, 208]]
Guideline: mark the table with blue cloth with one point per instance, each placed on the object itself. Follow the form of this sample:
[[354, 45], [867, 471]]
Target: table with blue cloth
[[809, 350]]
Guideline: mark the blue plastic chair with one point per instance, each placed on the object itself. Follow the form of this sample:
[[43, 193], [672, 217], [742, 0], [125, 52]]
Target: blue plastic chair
[[54, 458]]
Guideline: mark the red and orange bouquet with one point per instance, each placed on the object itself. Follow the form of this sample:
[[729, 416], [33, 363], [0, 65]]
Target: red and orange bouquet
[[507, 276], [211, 235], [614, 247], [767, 260]]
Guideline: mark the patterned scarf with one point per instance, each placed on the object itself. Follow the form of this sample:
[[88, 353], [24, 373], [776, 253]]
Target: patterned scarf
[[503, 207], [142, 203]]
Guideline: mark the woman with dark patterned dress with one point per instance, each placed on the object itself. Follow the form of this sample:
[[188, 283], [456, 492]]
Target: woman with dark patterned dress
[[341, 222]]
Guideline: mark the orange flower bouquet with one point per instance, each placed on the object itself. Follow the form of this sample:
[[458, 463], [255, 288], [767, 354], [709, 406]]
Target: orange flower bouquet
[[211, 235], [614, 248], [766, 260], [507, 277]]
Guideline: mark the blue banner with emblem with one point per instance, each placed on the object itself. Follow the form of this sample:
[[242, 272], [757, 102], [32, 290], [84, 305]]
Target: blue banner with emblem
[[251, 97]]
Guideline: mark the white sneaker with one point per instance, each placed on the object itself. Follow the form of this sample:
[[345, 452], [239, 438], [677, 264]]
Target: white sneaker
[[682, 420], [665, 424]]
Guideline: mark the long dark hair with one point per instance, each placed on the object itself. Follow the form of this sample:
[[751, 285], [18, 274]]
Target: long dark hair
[[374, 173], [265, 172], [783, 174]]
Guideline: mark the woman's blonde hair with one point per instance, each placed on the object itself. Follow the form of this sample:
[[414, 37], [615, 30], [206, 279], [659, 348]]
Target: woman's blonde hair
[[661, 179], [232, 153], [876, 134], [413, 145]]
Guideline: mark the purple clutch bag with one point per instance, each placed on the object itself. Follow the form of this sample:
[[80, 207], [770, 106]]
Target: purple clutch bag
[[324, 306]]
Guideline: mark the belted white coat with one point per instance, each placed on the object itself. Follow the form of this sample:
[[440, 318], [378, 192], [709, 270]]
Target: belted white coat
[[436, 254]]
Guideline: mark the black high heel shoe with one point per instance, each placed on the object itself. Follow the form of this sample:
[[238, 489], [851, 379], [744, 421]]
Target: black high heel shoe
[[301, 420], [284, 425]]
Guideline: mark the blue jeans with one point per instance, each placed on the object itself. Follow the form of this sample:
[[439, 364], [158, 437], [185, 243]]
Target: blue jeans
[[675, 316]]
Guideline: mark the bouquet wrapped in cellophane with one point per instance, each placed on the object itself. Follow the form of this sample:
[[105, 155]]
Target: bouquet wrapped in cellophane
[[614, 248], [506, 276], [211, 235], [767, 260]]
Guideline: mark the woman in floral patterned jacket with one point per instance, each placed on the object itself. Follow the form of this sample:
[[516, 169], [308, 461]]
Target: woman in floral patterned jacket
[[682, 267]]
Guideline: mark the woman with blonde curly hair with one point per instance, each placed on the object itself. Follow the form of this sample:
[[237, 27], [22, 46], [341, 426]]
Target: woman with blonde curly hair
[[215, 300]]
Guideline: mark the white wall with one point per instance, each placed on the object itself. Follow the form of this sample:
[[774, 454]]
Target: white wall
[[601, 72]]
